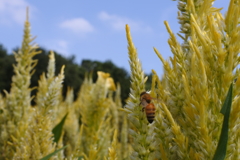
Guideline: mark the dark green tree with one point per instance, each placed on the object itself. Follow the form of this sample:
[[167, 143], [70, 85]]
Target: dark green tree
[[6, 69], [74, 73]]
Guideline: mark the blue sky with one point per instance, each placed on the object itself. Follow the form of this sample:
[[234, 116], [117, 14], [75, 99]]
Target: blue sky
[[94, 29]]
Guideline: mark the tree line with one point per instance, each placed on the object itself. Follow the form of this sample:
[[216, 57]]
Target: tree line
[[74, 73]]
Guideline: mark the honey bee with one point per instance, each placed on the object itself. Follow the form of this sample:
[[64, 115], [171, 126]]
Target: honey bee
[[147, 106]]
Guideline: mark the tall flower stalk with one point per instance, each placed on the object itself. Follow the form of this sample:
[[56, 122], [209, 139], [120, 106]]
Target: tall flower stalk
[[95, 105], [39, 137], [196, 81], [17, 108], [139, 129]]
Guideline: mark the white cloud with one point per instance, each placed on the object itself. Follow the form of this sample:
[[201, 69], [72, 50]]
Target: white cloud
[[13, 11], [77, 25], [118, 22], [63, 44], [60, 46]]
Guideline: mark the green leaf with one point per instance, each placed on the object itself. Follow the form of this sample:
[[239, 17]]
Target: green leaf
[[81, 157], [51, 154], [57, 130], [222, 143]]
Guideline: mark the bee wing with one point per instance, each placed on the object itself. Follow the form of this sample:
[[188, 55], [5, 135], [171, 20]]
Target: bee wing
[[158, 100]]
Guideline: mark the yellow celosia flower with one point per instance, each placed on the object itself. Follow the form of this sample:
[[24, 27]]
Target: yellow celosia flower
[[17, 112], [110, 84]]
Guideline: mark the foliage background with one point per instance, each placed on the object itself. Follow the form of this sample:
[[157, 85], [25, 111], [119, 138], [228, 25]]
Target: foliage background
[[74, 73]]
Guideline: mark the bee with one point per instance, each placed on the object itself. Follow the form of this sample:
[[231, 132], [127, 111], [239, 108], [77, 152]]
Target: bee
[[147, 106]]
